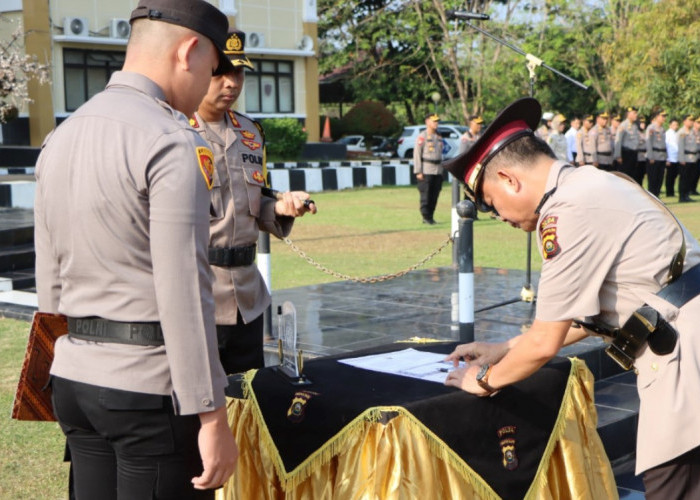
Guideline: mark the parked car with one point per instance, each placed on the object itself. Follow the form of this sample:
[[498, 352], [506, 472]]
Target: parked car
[[450, 133], [384, 147], [377, 145], [354, 143]]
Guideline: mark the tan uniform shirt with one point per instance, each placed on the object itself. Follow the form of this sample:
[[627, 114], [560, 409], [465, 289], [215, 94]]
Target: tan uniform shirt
[[642, 147], [687, 146], [585, 147], [656, 143], [627, 137], [427, 155], [121, 232], [607, 248], [603, 145], [238, 213], [467, 140], [558, 144]]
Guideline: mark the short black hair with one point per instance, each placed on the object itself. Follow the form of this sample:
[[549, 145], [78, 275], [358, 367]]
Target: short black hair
[[521, 152]]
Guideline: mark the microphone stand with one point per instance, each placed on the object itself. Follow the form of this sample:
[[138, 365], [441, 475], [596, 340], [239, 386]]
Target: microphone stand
[[527, 293]]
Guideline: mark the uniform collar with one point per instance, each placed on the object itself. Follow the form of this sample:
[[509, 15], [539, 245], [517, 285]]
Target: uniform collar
[[553, 178], [137, 81]]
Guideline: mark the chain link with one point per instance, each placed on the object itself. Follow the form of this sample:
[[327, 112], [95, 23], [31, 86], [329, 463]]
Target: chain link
[[372, 279]]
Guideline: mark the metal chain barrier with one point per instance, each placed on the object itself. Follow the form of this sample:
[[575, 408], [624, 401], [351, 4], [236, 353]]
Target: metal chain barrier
[[373, 279]]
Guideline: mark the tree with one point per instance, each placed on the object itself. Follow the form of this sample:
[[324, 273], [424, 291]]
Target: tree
[[16, 69]]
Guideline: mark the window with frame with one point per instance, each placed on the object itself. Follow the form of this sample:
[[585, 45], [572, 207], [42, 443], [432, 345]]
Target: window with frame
[[86, 72], [270, 87]]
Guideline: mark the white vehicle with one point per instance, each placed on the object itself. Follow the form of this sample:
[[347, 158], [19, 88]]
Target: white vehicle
[[355, 143], [450, 133]]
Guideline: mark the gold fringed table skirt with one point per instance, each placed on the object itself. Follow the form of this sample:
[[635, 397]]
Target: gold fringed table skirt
[[402, 459]]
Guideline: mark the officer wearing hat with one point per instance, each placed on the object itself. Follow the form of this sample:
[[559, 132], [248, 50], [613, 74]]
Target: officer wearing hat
[[472, 134], [696, 170], [427, 156], [585, 143], [641, 150], [556, 139], [122, 230], [614, 260], [656, 152], [238, 212], [627, 143], [602, 139], [687, 159]]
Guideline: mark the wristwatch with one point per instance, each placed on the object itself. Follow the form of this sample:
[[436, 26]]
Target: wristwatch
[[482, 378]]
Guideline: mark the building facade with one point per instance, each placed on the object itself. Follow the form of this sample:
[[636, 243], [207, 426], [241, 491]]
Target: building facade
[[84, 41]]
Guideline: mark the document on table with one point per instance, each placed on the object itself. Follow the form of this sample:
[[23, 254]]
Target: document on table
[[430, 366]]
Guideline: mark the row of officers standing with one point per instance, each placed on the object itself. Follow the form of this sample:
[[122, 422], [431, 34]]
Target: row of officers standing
[[634, 148]]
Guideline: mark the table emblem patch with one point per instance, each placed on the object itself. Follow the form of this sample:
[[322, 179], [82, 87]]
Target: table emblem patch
[[507, 436], [297, 410]]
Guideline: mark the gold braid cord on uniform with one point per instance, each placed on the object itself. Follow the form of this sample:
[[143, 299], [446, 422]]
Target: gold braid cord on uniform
[[401, 458]]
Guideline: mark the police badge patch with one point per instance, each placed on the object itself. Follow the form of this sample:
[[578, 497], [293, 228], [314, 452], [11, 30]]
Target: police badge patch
[[206, 165], [297, 410], [507, 435], [548, 235]]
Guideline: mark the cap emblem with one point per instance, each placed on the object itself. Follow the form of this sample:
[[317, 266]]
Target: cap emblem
[[233, 43]]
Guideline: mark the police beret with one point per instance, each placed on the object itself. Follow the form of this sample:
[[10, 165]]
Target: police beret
[[689, 117], [476, 119], [631, 108], [235, 49], [432, 116], [588, 118], [518, 120], [617, 117], [197, 15], [604, 114]]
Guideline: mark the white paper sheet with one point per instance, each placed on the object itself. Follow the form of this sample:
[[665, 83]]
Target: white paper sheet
[[430, 366]]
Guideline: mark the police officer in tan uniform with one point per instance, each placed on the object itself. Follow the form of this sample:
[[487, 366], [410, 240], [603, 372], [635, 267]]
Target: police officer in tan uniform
[[613, 257], [687, 159], [585, 143], [656, 152], [603, 143], [627, 143], [556, 138], [696, 170], [427, 156], [238, 212], [121, 236], [472, 134], [641, 150]]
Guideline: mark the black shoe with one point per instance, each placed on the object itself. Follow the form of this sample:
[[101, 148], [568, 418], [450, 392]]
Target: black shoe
[[429, 221], [695, 193], [686, 199]]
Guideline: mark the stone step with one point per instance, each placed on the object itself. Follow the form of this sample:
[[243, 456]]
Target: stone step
[[16, 258]]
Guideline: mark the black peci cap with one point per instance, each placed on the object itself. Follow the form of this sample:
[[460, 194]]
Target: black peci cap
[[197, 15], [519, 119]]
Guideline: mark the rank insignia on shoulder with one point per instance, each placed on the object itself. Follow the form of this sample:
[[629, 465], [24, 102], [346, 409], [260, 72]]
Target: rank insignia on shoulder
[[234, 121], [247, 134], [193, 122], [548, 235], [258, 176], [507, 436], [297, 410], [251, 144], [206, 164]]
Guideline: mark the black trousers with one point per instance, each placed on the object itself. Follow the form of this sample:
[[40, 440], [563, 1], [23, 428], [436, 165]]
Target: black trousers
[[629, 162], [671, 174], [655, 175], [127, 445], [640, 171], [695, 177], [685, 179], [678, 479], [429, 189], [241, 345]]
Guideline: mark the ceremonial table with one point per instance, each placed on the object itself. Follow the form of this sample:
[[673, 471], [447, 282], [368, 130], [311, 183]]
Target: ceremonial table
[[355, 434]]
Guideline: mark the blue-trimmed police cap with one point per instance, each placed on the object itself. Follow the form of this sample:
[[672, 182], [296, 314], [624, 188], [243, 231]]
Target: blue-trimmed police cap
[[197, 15]]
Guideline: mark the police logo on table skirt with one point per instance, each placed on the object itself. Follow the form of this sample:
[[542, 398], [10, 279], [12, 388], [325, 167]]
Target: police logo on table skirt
[[510, 459], [297, 410]]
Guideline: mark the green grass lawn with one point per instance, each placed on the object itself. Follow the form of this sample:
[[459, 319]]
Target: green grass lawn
[[360, 233]]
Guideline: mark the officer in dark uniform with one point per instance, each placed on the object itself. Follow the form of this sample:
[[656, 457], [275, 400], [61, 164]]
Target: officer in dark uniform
[[427, 156], [122, 230]]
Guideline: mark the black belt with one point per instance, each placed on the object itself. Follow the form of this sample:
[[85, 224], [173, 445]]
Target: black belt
[[690, 152], [659, 149], [604, 154], [232, 256], [104, 330], [430, 161]]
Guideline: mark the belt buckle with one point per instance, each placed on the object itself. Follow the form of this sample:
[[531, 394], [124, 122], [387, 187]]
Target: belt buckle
[[621, 358]]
